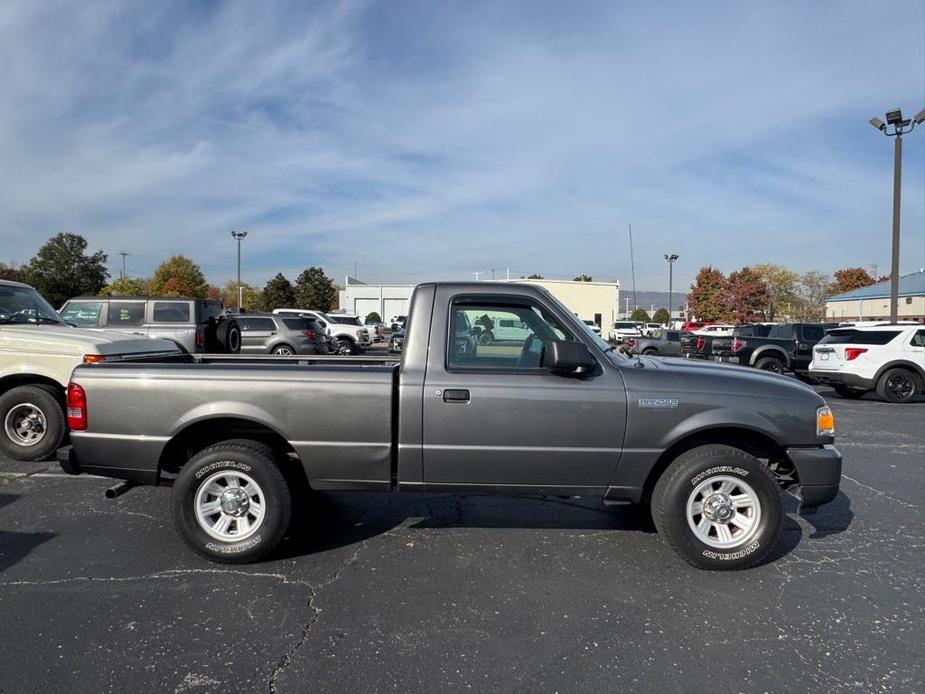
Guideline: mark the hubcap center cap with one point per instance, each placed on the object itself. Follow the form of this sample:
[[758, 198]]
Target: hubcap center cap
[[718, 508], [234, 502]]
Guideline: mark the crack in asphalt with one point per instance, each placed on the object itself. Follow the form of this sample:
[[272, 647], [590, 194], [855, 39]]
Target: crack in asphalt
[[879, 492], [168, 573]]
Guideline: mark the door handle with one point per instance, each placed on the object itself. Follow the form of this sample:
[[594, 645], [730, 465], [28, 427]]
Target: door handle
[[455, 395]]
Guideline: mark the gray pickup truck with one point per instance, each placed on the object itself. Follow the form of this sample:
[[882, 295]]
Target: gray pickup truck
[[557, 412]]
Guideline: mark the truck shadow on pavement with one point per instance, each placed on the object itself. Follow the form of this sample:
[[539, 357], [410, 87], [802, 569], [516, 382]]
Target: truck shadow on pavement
[[335, 520], [14, 547]]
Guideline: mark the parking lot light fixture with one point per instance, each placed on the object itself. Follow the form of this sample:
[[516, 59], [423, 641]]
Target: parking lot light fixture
[[670, 258], [239, 236], [894, 117]]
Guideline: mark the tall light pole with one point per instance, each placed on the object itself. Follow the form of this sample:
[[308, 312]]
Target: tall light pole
[[239, 236], [894, 117], [670, 258]]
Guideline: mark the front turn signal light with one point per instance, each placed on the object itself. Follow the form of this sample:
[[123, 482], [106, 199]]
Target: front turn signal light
[[825, 422]]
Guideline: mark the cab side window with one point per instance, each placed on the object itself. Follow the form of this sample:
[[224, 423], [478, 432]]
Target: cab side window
[[125, 313], [918, 340], [501, 336]]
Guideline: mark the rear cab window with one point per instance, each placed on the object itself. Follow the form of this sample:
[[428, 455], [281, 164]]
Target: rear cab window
[[170, 312], [125, 314]]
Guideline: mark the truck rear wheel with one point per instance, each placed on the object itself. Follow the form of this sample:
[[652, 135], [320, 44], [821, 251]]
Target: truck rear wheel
[[718, 507], [772, 364], [32, 421], [231, 502]]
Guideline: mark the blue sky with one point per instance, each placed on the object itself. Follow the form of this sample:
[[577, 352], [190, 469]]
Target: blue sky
[[428, 140]]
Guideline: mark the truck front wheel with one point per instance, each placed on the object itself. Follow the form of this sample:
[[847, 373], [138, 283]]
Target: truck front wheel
[[718, 507], [33, 422], [231, 503]]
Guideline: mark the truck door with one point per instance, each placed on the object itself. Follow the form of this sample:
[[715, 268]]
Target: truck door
[[493, 416]]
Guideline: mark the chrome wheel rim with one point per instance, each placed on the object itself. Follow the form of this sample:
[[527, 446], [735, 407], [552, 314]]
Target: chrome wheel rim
[[229, 506], [723, 512], [283, 350], [343, 349], [25, 424]]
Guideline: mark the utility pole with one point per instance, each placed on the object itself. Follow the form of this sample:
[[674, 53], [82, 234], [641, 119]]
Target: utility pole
[[671, 259], [239, 236], [123, 254], [901, 126], [509, 273], [477, 275], [492, 274], [633, 267]]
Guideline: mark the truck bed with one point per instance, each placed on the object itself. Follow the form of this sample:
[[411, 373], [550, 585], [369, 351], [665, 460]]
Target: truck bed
[[335, 413]]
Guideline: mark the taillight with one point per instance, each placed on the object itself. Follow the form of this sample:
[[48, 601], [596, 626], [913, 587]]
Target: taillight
[[631, 342], [200, 339], [852, 353], [310, 334], [700, 343], [738, 344], [94, 358], [76, 407]]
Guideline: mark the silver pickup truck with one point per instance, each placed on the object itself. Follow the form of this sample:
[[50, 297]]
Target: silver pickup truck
[[556, 411]]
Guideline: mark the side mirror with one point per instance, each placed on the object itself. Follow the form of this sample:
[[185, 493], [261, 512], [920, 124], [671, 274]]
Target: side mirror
[[568, 357]]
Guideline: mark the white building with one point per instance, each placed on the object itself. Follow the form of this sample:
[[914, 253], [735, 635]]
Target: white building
[[596, 301], [385, 299], [873, 302]]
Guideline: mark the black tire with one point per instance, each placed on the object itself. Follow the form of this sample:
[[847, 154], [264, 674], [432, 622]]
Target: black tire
[[238, 457], [345, 347], [897, 385], [846, 392], [772, 364], [650, 351], [681, 483], [486, 338], [284, 350], [228, 335], [31, 406]]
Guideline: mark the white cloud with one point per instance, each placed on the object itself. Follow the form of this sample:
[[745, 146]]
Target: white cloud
[[425, 142]]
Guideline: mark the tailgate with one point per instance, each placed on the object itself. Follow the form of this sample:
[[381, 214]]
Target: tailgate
[[828, 357]]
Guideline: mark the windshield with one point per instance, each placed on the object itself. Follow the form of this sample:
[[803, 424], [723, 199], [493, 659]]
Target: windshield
[[25, 305]]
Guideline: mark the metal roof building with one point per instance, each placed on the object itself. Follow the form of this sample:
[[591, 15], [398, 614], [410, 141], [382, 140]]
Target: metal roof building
[[873, 302]]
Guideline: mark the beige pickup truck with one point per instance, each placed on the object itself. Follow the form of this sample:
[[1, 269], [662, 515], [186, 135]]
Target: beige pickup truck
[[38, 352]]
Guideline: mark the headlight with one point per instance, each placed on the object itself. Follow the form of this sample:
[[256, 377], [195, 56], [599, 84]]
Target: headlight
[[825, 422]]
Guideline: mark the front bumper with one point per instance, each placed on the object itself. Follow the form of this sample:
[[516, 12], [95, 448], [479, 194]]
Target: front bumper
[[819, 472]]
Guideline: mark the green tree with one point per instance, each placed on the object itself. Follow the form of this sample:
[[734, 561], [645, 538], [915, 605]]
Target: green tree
[[278, 293], [747, 296], [535, 277], [781, 285], [11, 272], [251, 296], [373, 317], [640, 315], [315, 290], [851, 278], [125, 286], [814, 288], [62, 269], [661, 316], [178, 276], [581, 278], [707, 298]]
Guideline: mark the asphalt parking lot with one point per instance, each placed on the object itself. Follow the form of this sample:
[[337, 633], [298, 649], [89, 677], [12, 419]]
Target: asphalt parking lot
[[427, 593]]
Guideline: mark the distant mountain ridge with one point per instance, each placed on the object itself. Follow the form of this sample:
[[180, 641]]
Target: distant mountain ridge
[[646, 300]]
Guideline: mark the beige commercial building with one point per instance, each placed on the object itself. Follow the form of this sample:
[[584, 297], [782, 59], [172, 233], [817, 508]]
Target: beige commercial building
[[597, 301], [873, 303]]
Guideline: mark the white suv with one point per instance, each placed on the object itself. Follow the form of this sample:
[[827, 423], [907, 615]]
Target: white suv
[[887, 358], [351, 336]]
